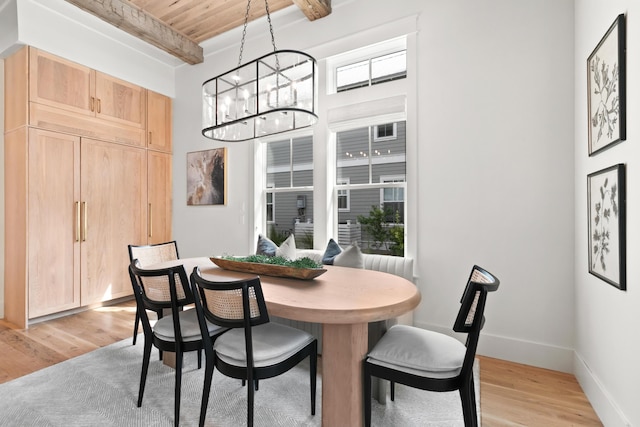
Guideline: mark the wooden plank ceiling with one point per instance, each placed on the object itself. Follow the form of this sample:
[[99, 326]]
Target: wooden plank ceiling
[[178, 26]]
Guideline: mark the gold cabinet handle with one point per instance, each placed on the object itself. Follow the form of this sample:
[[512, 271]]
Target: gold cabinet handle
[[77, 221], [92, 103], [99, 105], [150, 221], [84, 220]]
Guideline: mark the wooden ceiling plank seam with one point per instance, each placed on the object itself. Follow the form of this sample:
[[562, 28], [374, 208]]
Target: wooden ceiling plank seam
[[231, 16]]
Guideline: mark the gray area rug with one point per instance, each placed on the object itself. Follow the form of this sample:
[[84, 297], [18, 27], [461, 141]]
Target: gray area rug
[[100, 388]]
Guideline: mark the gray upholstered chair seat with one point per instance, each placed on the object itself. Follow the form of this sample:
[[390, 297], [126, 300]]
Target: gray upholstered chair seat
[[431, 354], [272, 344], [189, 327]]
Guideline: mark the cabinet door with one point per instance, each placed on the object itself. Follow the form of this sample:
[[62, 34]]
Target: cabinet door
[[60, 83], [53, 236], [159, 122], [114, 210], [120, 101], [159, 185]]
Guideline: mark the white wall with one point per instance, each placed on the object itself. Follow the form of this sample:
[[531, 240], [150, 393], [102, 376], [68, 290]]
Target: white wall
[[494, 166], [2, 190], [607, 339]]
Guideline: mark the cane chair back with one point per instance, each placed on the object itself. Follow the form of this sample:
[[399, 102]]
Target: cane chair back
[[149, 255]]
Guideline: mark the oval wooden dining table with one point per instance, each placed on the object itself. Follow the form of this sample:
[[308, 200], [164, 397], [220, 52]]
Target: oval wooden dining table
[[344, 300]]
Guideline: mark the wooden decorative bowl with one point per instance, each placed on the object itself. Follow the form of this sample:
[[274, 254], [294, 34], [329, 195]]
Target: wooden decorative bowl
[[268, 269]]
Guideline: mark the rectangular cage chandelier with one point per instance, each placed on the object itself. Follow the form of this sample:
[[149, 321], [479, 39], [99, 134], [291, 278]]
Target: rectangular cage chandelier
[[272, 94]]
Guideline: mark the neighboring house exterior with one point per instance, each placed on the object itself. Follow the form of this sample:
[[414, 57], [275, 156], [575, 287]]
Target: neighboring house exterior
[[368, 155]]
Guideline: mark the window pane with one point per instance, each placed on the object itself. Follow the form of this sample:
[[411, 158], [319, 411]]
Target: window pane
[[302, 161], [279, 163], [375, 227], [388, 157], [389, 67], [384, 131], [342, 201], [353, 156], [269, 212], [352, 75]]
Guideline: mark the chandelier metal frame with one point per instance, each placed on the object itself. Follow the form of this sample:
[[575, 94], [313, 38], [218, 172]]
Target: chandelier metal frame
[[274, 93]]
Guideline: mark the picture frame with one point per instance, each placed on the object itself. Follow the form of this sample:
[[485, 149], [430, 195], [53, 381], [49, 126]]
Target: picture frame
[[606, 86], [606, 194], [207, 177]]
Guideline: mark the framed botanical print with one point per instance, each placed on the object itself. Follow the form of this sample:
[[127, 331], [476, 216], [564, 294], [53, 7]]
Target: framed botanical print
[[607, 225], [606, 81]]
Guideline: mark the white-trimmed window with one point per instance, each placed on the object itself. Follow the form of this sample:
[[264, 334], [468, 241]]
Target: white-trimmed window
[[271, 207], [348, 178], [367, 66], [374, 175], [371, 71], [392, 198], [344, 195], [385, 132]]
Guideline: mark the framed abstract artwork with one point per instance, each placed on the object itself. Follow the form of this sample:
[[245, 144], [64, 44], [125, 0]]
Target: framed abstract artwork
[[607, 225], [206, 177], [606, 81]]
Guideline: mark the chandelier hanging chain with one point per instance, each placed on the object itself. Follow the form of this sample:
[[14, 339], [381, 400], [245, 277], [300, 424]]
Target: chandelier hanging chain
[[273, 39], [244, 30]]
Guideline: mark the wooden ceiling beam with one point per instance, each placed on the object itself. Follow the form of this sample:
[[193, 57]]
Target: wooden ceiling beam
[[130, 18], [314, 9]]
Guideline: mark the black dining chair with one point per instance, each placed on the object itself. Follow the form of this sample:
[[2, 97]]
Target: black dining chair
[[148, 255], [430, 360], [254, 348], [179, 332]]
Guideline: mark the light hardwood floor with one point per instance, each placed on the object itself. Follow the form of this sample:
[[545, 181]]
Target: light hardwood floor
[[510, 394]]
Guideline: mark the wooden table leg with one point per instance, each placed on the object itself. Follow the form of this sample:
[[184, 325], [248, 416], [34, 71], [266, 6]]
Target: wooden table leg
[[169, 359], [343, 349]]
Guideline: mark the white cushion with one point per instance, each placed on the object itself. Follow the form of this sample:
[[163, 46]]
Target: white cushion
[[351, 256], [272, 343], [189, 327], [288, 248], [419, 351]]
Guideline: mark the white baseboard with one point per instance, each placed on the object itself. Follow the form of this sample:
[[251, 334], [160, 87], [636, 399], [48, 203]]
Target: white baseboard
[[519, 351], [600, 399], [549, 357]]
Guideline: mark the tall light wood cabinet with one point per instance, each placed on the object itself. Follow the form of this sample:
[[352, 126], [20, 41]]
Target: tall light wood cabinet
[[53, 219], [159, 159], [113, 206], [159, 167], [80, 183]]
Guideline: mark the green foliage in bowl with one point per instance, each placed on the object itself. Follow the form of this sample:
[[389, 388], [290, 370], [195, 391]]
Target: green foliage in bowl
[[304, 262]]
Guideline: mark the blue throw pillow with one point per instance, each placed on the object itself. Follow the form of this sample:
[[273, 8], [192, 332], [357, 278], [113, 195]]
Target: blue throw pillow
[[333, 249], [266, 246]]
